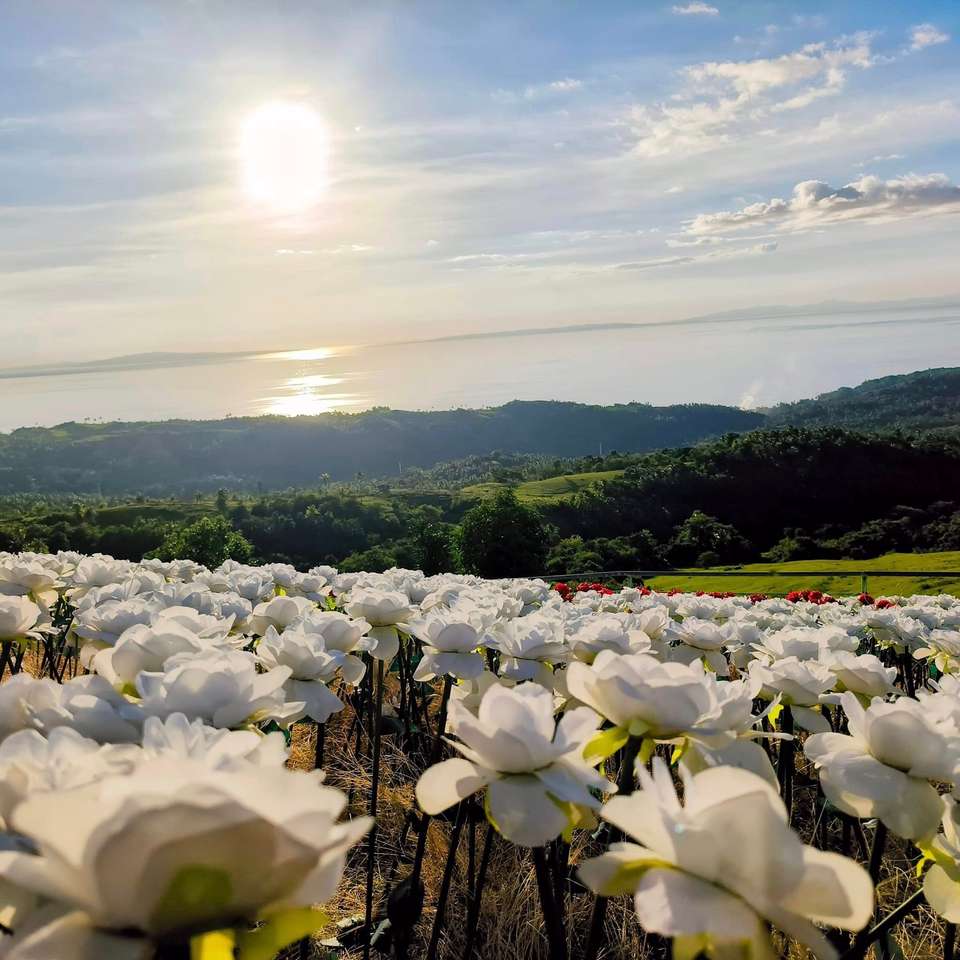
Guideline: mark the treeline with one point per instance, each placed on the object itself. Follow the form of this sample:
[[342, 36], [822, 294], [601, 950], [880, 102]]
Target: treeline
[[303, 528], [781, 494]]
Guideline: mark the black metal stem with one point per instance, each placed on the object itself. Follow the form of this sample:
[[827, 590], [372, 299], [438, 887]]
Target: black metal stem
[[374, 790], [434, 757], [624, 779], [173, 951], [473, 913], [876, 851], [864, 940], [556, 935], [444, 894]]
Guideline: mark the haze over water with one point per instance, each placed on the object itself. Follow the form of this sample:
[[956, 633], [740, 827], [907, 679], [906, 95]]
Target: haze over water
[[748, 362]]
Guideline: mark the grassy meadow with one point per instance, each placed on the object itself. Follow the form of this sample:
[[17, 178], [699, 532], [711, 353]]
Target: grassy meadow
[[755, 577]]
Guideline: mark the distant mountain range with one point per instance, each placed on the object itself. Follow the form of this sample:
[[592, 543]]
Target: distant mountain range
[[182, 456], [132, 361], [827, 314]]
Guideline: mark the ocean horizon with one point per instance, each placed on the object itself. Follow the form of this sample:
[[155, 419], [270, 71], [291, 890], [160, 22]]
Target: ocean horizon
[[712, 359]]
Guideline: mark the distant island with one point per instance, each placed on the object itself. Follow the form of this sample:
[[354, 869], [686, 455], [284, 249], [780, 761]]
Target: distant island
[[911, 311]]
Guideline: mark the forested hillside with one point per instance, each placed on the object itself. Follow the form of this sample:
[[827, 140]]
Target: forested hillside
[[926, 400], [783, 494], [438, 449], [276, 453]]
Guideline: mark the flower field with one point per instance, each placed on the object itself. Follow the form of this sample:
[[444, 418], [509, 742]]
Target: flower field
[[254, 762]]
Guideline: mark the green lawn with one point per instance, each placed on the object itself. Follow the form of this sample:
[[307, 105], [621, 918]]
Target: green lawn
[[557, 488], [481, 491], [753, 579], [181, 511], [538, 491]]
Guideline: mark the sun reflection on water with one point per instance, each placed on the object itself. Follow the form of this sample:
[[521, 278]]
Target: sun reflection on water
[[306, 396], [313, 353]]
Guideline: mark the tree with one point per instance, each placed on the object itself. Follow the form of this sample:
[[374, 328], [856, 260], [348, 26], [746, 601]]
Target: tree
[[436, 548], [375, 560], [639, 551], [573, 555], [704, 540], [795, 545], [210, 541], [502, 537]]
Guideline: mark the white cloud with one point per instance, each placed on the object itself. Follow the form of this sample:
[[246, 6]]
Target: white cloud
[[350, 248], [676, 188], [751, 79], [926, 35], [750, 397], [494, 258], [688, 241], [759, 249], [809, 20], [540, 91], [882, 158], [695, 9], [724, 98], [567, 85], [815, 203]]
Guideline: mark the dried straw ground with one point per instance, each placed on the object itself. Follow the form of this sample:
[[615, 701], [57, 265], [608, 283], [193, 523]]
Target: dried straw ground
[[511, 925]]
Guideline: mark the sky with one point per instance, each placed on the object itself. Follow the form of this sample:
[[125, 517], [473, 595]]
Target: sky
[[232, 175]]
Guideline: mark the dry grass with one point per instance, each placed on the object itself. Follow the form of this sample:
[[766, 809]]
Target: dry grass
[[511, 924]]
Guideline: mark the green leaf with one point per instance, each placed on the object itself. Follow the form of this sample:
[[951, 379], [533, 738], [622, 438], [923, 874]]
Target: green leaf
[[605, 744], [690, 947], [577, 816], [215, 945], [277, 931], [627, 878], [194, 896], [638, 728]]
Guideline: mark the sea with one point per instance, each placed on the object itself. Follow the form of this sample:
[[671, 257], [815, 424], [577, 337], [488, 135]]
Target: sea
[[750, 360]]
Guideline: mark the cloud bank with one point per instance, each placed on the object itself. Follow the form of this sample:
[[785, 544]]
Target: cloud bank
[[815, 204]]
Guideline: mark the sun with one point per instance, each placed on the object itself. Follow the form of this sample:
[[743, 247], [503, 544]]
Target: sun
[[284, 156]]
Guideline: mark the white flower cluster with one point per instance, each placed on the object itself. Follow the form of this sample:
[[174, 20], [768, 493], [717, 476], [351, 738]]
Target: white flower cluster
[[146, 801]]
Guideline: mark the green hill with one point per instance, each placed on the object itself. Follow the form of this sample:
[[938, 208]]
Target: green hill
[[276, 453], [552, 489], [927, 399]]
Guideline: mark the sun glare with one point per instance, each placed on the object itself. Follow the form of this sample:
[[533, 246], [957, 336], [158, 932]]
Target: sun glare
[[284, 156], [314, 353]]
